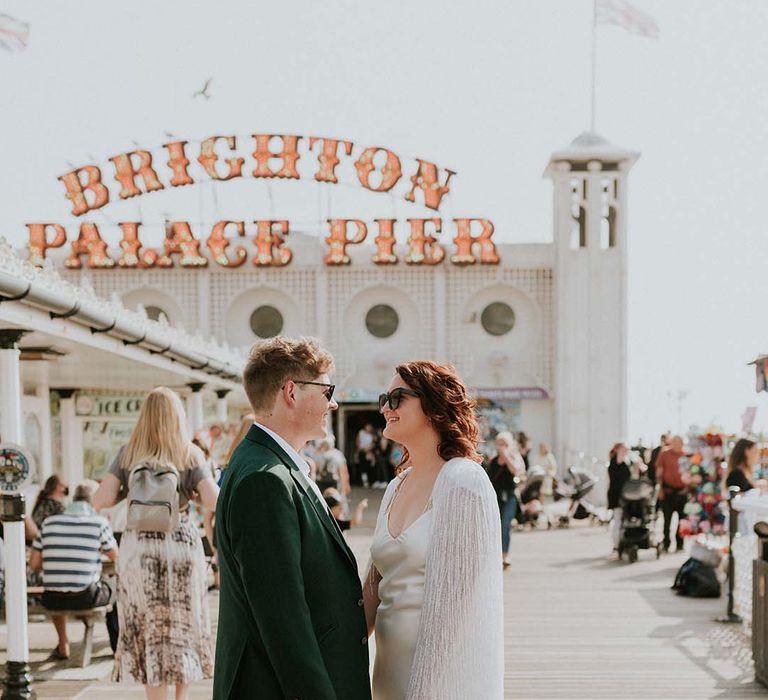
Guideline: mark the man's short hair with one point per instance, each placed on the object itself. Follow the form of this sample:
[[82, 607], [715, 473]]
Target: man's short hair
[[85, 491], [273, 362]]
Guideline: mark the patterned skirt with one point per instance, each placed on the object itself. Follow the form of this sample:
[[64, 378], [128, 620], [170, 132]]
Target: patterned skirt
[[165, 627]]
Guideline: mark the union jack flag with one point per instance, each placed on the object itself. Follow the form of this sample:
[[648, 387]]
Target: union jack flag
[[623, 14], [13, 33]]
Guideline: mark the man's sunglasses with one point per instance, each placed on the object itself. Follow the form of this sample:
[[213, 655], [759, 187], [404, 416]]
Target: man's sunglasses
[[328, 393], [394, 397]]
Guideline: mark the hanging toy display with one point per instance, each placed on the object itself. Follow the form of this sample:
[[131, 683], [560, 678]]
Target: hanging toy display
[[705, 467]]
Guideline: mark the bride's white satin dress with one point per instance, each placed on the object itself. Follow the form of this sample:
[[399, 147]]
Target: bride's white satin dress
[[401, 562]]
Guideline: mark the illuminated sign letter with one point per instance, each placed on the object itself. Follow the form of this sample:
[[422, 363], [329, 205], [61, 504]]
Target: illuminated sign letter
[[38, 241], [89, 243], [426, 179], [289, 155], [208, 158], [131, 246], [385, 243], [464, 241], [218, 243], [270, 248], [390, 171], [126, 173], [337, 240], [178, 162], [423, 248], [329, 157], [179, 239], [76, 189]]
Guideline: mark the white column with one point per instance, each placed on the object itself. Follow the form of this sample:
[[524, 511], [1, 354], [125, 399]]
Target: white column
[[10, 393], [222, 413], [45, 469], [71, 439], [17, 671], [195, 406]]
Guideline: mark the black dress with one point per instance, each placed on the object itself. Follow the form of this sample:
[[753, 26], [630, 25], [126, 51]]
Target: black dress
[[618, 475], [503, 481], [738, 478]]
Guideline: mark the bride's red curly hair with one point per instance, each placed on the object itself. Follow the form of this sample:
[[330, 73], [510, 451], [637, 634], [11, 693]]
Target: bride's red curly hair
[[448, 406]]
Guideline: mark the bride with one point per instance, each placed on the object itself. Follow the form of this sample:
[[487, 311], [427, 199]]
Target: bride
[[433, 592]]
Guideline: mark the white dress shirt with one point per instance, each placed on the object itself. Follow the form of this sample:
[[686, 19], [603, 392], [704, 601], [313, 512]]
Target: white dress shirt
[[298, 460]]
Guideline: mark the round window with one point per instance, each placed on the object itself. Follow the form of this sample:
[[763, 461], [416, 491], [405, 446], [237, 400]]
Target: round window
[[266, 322], [382, 321], [498, 318], [154, 312]]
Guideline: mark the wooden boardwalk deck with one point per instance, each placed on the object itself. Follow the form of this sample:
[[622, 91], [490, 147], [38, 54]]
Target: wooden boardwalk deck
[[581, 626], [577, 626]]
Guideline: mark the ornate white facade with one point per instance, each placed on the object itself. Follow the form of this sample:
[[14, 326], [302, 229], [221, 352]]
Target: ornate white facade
[[561, 367]]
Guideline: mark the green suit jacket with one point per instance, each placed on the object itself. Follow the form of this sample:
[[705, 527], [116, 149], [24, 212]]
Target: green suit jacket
[[291, 620]]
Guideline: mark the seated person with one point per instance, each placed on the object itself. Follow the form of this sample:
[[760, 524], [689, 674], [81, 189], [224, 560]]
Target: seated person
[[68, 550], [336, 504]]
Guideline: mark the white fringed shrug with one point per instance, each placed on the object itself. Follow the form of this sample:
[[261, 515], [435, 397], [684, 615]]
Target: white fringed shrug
[[460, 649]]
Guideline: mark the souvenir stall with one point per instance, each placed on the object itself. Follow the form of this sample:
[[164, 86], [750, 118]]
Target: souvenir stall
[[752, 508], [705, 466]]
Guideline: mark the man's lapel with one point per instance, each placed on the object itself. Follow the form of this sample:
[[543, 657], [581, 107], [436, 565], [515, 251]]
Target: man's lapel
[[259, 436]]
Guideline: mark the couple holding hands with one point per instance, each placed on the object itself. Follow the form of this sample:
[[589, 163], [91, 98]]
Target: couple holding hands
[[294, 618]]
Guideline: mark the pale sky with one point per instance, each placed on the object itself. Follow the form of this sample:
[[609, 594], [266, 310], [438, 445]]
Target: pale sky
[[488, 89]]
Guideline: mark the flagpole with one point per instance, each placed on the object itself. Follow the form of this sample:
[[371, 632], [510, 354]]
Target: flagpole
[[594, 57]]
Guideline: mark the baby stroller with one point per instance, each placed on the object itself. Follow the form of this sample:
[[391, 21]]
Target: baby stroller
[[575, 486], [638, 519], [530, 497]]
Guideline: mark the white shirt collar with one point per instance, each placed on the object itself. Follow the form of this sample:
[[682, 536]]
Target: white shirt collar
[[298, 460]]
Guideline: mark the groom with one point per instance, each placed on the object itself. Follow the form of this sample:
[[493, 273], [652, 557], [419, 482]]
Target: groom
[[291, 621]]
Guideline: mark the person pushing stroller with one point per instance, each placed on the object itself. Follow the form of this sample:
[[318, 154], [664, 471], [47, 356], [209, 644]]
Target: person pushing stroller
[[624, 470]]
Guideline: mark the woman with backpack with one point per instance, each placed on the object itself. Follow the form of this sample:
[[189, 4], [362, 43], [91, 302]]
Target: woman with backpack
[[165, 631]]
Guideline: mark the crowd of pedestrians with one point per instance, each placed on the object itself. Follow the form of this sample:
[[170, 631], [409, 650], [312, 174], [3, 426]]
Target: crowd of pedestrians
[[667, 468], [162, 489]]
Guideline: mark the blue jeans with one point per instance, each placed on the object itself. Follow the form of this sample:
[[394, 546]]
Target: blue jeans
[[508, 511]]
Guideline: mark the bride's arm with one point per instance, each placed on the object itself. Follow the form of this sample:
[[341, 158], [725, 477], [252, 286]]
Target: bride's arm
[[371, 597]]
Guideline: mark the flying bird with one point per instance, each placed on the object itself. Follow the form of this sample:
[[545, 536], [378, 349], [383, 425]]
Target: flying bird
[[204, 90]]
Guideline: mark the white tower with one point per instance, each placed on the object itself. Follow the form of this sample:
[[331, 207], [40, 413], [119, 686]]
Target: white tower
[[590, 237]]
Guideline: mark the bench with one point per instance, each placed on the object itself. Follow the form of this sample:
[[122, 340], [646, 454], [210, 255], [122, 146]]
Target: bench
[[89, 617]]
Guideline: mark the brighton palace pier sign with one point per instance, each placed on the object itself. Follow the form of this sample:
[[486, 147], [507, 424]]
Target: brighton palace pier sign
[[133, 174]]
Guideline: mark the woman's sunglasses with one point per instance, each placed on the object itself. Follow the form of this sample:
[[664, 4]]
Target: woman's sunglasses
[[328, 393], [394, 397]]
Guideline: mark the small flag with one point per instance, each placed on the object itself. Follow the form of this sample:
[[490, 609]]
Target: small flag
[[14, 34], [748, 419], [623, 14]]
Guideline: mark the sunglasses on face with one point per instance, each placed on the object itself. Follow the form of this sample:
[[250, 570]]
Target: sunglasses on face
[[394, 397], [328, 393]]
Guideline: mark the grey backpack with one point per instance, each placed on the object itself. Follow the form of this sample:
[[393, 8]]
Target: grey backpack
[[153, 498]]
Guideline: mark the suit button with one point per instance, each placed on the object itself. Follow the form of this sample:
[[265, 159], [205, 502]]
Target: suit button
[[360, 603], [364, 640]]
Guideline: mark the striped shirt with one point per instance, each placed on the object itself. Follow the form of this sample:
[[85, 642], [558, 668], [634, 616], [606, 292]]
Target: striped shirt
[[71, 544]]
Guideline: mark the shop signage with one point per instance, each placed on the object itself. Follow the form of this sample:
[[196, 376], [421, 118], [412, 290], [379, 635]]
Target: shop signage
[[358, 394], [108, 406], [136, 173], [509, 393]]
